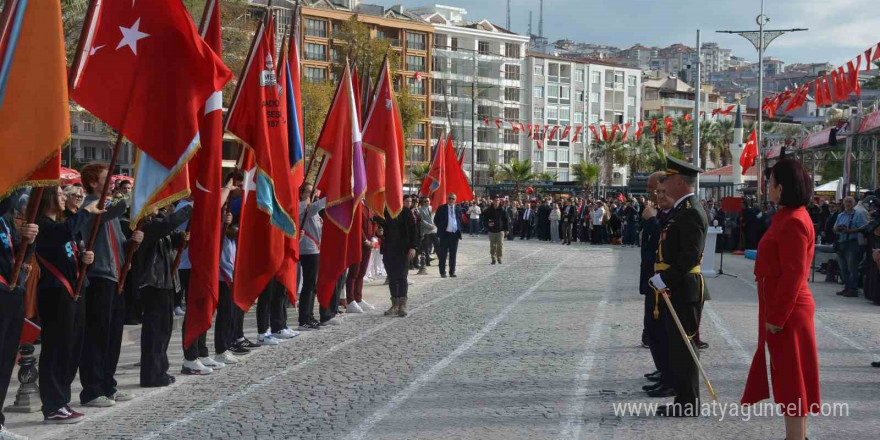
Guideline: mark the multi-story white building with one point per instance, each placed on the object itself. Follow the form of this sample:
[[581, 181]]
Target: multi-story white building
[[477, 69], [91, 140], [569, 92]]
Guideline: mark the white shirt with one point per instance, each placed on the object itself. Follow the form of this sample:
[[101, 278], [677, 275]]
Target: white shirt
[[528, 214], [452, 224], [596, 216]]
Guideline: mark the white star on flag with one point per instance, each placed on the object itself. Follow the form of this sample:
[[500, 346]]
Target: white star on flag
[[130, 36]]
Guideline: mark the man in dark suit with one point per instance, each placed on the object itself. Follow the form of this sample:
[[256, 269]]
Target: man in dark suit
[[677, 269], [526, 221], [569, 217], [448, 224]]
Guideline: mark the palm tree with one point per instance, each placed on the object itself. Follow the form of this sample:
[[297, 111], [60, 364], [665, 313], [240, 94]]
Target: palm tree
[[519, 172], [419, 171], [547, 176], [493, 171], [724, 130], [611, 152], [586, 175], [683, 132], [709, 143], [642, 155]]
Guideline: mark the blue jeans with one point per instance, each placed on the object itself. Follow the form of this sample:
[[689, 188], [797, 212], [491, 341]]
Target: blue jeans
[[474, 226], [849, 254]]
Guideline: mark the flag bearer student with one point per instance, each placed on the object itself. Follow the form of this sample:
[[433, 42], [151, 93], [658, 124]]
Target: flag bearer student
[[105, 308], [11, 301], [354, 281], [158, 284], [309, 254], [196, 360], [239, 345], [58, 249]]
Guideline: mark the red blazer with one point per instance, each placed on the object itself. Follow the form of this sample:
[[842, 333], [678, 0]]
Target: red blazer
[[785, 254]]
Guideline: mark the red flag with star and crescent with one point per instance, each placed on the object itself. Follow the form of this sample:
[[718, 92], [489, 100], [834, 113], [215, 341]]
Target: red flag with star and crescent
[[145, 71]]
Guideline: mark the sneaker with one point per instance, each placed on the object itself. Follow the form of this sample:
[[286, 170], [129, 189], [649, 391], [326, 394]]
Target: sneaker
[[100, 402], [285, 334], [238, 350], [122, 396], [247, 343], [226, 358], [195, 368], [329, 322], [307, 327], [267, 339], [354, 307], [7, 435], [178, 311], [63, 416], [211, 363], [366, 306]]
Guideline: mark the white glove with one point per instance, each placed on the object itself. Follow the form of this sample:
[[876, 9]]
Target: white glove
[[656, 282]]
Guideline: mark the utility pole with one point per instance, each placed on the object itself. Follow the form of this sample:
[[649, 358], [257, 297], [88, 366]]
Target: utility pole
[[508, 14], [541, 20], [761, 39], [696, 152], [530, 24], [474, 121]]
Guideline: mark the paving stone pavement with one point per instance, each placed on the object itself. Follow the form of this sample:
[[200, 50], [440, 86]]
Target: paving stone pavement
[[540, 347]]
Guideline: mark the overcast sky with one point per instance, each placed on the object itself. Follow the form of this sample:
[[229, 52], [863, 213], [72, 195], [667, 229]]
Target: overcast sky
[[838, 29]]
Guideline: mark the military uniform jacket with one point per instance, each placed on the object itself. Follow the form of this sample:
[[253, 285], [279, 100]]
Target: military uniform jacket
[[680, 251]]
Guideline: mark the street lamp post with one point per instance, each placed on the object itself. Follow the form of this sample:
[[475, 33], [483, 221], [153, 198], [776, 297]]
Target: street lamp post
[[761, 39]]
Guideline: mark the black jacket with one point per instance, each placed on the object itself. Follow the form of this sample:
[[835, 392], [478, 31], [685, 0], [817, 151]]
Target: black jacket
[[498, 217], [400, 234], [57, 245], [9, 243], [569, 214], [682, 237], [156, 253], [441, 220], [650, 240]]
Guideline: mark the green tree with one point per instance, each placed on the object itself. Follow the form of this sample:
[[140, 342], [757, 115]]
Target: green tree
[[873, 83], [641, 155], [547, 176], [519, 172], [316, 99], [419, 171], [493, 171], [613, 151], [586, 175]]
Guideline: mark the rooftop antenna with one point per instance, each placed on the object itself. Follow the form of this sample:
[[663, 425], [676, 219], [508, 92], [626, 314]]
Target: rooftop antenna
[[508, 14], [530, 23], [541, 20]]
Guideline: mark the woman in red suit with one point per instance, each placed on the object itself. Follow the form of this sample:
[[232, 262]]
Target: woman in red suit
[[785, 304]]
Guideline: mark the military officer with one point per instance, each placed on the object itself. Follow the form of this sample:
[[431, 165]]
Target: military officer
[[677, 268]]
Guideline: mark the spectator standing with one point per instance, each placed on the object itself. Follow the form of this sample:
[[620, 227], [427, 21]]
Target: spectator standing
[[555, 215], [474, 212], [496, 220], [849, 247]]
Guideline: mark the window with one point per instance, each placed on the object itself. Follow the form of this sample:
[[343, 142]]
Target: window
[[579, 75], [564, 115], [89, 153], [553, 94], [562, 156], [511, 94], [562, 176], [539, 91], [511, 71], [316, 52], [538, 154], [105, 153], [415, 63], [418, 153], [419, 132], [553, 73], [510, 155], [439, 110], [594, 97], [415, 41], [484, 48], [416, 87], [441, 41], [482, 156], [630, 100], [565, 73], [595, 77], [578, 117], [454, 43], [551, 156], [335, 55], [594, 118], [578, 157], [552, 115], [564, 94], [316, 28], [579, 95], [314, 74], [631, 81], [88, 125], [631, 120], [511, 113], [510, 137], [484, 111], [438, 64], [538, 115], [539, 69], [437, 130], [618, 78], [336, 26], [511, 50]]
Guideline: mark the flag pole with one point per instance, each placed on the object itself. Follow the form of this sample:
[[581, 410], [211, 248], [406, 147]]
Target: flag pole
[[6, 23], [97, 221], [31, 216], [129, 255]]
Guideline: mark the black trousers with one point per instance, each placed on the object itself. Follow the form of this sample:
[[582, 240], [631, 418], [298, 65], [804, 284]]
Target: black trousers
[[271, 308], [105, 316], [62, 321], [525, 230], [156, 335], [566, 232], [332, 308], [658, 339], [687, 376], [309, 267], [396, 268], [429, 241], [199, 347], [448, 246], [180, 295], [11, 319], [224, 322], [237, 323], [133, 309]]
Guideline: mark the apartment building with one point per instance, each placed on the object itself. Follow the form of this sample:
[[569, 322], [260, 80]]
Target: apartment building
[[569, 92], [476, 67], [92, 140], [668, 95]]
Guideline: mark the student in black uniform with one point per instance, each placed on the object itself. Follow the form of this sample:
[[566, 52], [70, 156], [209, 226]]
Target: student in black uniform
[[11, 301], [158, 284], [59, 253], [678, 273]]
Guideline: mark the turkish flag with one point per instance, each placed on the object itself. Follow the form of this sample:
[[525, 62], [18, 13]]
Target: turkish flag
[[638, 133], [604, 133], [595, 132], [147, 72], [433, 186], [565, 132], [749, 153], [384, 145], [653, 126], [206, 182], [577, 132], [553, 132], [456, 181], [668, 121]]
